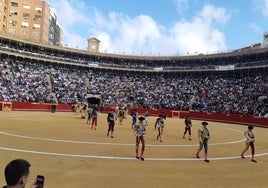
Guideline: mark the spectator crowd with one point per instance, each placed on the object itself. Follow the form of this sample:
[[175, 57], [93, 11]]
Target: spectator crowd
[[30, 81]]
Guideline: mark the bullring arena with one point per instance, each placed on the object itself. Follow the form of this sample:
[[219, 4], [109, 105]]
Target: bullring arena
[[227, 90], [64, 149]]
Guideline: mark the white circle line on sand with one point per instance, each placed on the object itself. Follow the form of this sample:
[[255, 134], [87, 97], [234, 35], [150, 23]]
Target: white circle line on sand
[[10, 115], [115, 144], [119, 158]]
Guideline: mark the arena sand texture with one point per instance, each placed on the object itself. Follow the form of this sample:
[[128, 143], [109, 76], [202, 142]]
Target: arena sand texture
[[64, 149]]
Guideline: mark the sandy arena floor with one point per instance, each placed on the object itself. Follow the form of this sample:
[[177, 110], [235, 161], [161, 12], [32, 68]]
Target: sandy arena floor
[[64, 149]]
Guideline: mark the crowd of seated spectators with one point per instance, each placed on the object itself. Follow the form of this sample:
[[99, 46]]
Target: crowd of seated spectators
[[23, 82], [29, 81]]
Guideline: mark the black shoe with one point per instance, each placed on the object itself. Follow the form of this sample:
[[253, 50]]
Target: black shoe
[[242, 157], [206, 160], [142, 158], [197, 156], [137, 157], [253, 160]]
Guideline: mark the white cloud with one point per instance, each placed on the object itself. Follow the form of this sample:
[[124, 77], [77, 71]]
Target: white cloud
[[201, 35], [120, 33], [68, 15], [261, 5], [211, 13], [130, 35], [256, 28], [181, 5], [73, 18]]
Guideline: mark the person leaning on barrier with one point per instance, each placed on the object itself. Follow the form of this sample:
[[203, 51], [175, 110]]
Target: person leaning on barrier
[[17, 173]]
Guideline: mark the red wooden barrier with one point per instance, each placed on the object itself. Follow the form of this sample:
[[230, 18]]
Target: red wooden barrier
[[229, 118]]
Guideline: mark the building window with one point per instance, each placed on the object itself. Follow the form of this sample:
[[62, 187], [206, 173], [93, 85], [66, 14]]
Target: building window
[[36, 26], [13, 22], [12, 30], [15, 13], [24, 32], [26, 6], [26, 15], [36, 34], [14, 4], [24, 24], [37, 17], [38, 9]]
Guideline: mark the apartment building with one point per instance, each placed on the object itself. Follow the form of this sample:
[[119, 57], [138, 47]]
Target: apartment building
[[30, 20]]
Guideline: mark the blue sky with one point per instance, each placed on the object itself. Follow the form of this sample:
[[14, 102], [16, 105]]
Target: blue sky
[[162, 27]]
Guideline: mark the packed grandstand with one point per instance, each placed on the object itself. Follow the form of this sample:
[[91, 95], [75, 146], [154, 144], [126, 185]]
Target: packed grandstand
[[229, 83]]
